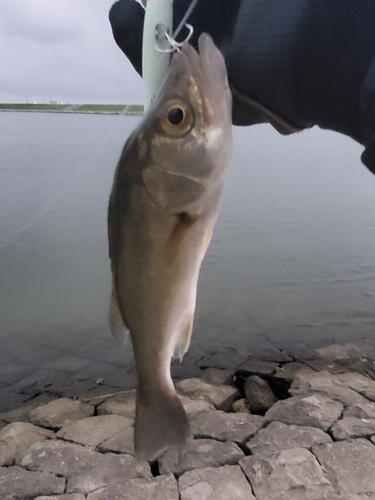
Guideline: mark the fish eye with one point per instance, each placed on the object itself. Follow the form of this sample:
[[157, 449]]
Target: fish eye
[[175, 116], [177, 119]]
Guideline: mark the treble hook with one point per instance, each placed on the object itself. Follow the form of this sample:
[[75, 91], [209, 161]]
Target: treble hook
[[162, 31]]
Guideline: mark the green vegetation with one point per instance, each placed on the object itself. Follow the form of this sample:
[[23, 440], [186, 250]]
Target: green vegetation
[[135, 108], [101, 108], [36, 107]]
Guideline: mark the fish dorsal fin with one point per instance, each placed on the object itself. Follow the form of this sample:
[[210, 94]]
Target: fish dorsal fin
[[171, 191]]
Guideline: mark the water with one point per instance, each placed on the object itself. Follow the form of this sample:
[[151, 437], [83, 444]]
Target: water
[[292, 256]]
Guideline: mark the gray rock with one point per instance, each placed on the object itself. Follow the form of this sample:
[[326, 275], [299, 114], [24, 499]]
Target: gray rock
[[218, 376], [241, 406], [337, 351], [308, 380], [194, 407], [121, 404], [21, 413], [278, 436], [313, 410], [72, 496], [349, 465], [325, 365], [200, 453], [57, 413], [237, 427], [351, 427], [17, 483], [213, 483], [123, 442], [86, 468], [287, 372], [2, 424], [359, 383], [17, 437], [157, 488], [255, 366], [94, 430], [292, 474], [299, 351], [362, 410], [221, 396], [179, 371], [259, 394]]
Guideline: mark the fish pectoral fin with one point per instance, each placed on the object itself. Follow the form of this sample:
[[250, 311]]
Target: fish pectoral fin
[[116, 323], [171, 191], [183, 341]]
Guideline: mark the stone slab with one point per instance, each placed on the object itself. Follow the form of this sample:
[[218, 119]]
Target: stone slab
[[121, 404], [326, 383], [17, 437], [94, 430], [314, 410], [255, 366], [221, 396], [359, 383], [218, 376], [237, 427], [214, 483], [157, 488], [21, 413], [123, 442], [278, 436], [292, 474], [17, 483], [259, 394], [362, 410], [200, 453], [349, 465], [351, 427], [59, 412]]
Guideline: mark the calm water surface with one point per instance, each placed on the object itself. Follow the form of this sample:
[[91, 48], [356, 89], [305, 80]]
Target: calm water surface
[[292, 258]]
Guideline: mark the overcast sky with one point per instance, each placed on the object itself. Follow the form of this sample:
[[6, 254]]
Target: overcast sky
[[63, 50]]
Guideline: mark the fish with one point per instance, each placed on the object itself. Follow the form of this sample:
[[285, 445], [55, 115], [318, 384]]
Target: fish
[[162, 210]]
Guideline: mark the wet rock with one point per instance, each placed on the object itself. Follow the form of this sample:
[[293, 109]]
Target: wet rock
[[221, 396], [86, 468], [292, 474], [254, 366], [325, 365], [349, 465], [2, 424], [221, 360], [59, 412], [300, 352], [337, 351], [259, 395], [362, 410], [17, 437], [268, 352], [194, 407], [287, 372], [351, 427], [17, 483], [313, 410], [157, 488], [241, 406], [237, 427], [278, 436], [224, 483], [123, 442], [359, 383], [21, 414], [94, 430], [180, 371], [325, 383], [218, 376], [121, 404], [200, 453]]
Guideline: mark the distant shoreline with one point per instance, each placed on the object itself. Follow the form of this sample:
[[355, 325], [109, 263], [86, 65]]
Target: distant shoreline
[[102, 109]]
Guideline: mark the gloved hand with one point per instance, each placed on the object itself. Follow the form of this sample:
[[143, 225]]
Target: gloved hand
[[294, 64]]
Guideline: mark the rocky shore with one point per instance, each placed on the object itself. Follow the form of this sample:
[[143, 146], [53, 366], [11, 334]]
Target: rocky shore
[[275, 425]]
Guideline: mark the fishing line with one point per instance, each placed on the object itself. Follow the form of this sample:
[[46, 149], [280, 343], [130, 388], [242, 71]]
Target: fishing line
[[185, 18]]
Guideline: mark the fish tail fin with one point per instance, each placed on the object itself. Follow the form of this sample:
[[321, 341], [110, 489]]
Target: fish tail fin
[[161, 421], [116, 323]]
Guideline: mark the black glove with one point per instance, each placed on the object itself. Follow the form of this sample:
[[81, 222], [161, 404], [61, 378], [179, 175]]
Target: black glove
[[295, 63]]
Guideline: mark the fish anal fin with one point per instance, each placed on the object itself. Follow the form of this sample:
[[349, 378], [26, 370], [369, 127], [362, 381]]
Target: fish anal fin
[[161, 421], [117, 324], [171, 191]]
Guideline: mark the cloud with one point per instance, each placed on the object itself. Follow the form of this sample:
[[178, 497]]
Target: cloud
[[62, 50]]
